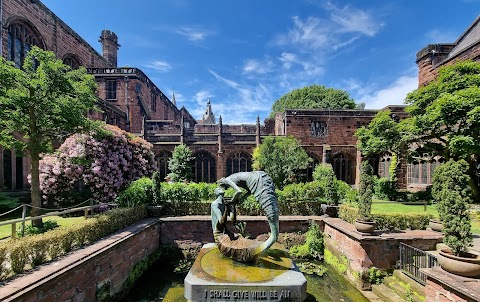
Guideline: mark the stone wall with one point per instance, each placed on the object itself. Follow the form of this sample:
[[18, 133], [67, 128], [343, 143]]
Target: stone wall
[[199, 228], [79, 276], [445, 287], [380, 250]]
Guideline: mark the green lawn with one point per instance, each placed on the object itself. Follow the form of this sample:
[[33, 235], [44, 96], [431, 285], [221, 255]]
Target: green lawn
[[6, 230], [395, 207]]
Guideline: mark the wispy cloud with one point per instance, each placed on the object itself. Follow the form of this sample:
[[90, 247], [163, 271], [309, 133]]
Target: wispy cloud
[[201, 96], [258, 66], [193, 33], [159, 66], [353, 20]]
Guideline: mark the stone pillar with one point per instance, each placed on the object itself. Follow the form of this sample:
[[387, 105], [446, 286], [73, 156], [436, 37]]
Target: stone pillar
[[182, 130], [257, 137], [326, 154], [358, 167], [220, 139]]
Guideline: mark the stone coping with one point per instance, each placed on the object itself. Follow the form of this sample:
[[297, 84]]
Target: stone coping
[[22, 283], [351, 231], [470, 287], [245, 218]]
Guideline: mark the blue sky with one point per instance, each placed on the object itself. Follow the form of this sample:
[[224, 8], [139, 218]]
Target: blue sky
[[245, 54]]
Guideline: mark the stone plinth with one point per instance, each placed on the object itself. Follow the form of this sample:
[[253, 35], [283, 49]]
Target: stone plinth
[[273, 277], [444, 286]]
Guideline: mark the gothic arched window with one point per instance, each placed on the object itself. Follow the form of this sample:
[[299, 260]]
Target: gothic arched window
[[205, 167], [239, 162], [162, 163], [21, 38], [342, 166], [71, 60]]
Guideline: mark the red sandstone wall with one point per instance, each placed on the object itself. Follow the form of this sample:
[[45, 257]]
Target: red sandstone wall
[[57, 36], [79, 282]]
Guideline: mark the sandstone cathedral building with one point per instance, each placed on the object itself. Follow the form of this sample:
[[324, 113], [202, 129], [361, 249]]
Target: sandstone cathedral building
[[132, 101]]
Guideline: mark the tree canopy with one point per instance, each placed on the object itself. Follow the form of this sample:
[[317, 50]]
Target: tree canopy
[[282, 158], [180, 165], [313, 97], [40, 103], [444, 120]]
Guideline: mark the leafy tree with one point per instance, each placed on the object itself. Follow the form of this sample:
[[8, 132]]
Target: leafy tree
[[41, 103], [444, 120], [365, 191], [452, 196], [313, 97], [180, 164], [282, 158]]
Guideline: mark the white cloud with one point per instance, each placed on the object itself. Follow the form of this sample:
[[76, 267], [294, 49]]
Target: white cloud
[[393, 94], [159, 66], [258, 66], [194, 34], [311, 33], [352, 20]]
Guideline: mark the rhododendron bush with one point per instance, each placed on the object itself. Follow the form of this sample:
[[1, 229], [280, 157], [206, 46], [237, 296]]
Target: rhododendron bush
[[106, 163]]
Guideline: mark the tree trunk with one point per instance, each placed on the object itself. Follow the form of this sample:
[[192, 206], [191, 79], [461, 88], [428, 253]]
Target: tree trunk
[[35, 189], [475, 189]]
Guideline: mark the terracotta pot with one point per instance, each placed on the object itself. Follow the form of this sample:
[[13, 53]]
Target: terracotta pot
[[436, 225], [468, 265], [365, 226]]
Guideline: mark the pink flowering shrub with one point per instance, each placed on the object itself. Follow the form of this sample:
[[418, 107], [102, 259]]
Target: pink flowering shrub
[[106, 163]]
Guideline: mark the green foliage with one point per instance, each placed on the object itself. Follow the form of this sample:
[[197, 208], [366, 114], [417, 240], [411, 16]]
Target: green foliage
[[137, 193], [452, 196], [156, 188], [31, 251], [33, 230], [389, 221], [444, 120], [282, 158], [340, 264], [180, 165], [365, 191], [313, 247], [375, 275], [313, 97], [392, 170], [44, 101], [385, 188]]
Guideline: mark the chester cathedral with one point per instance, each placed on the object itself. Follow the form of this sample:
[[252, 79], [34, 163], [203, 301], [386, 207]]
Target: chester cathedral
[[130, 100]]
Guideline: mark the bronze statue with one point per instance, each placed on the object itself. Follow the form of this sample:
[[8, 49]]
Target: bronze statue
[[260, 185]]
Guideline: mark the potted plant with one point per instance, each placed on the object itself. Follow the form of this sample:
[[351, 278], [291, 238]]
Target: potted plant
[[364, 223], [452, 194]]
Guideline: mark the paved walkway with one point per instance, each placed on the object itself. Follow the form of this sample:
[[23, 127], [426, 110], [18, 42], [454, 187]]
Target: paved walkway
[[476, 243]]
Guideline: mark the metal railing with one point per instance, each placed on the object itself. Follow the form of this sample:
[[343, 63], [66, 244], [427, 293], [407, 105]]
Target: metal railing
[[412, 260], [55, 212]]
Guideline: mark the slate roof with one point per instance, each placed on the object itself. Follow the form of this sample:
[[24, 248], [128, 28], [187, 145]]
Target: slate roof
[[470, 37]]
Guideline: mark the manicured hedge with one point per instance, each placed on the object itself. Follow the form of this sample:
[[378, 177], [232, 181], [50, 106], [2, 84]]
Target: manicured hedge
[[18, 255], [389, 221]]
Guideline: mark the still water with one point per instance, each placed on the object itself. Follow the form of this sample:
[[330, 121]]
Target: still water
[[160, 284]]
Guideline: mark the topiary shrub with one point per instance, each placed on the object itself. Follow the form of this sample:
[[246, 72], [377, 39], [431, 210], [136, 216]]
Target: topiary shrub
[[452, 196], [156, 188], [324, 174], [365, 191], [385, 189], [137, 193]]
